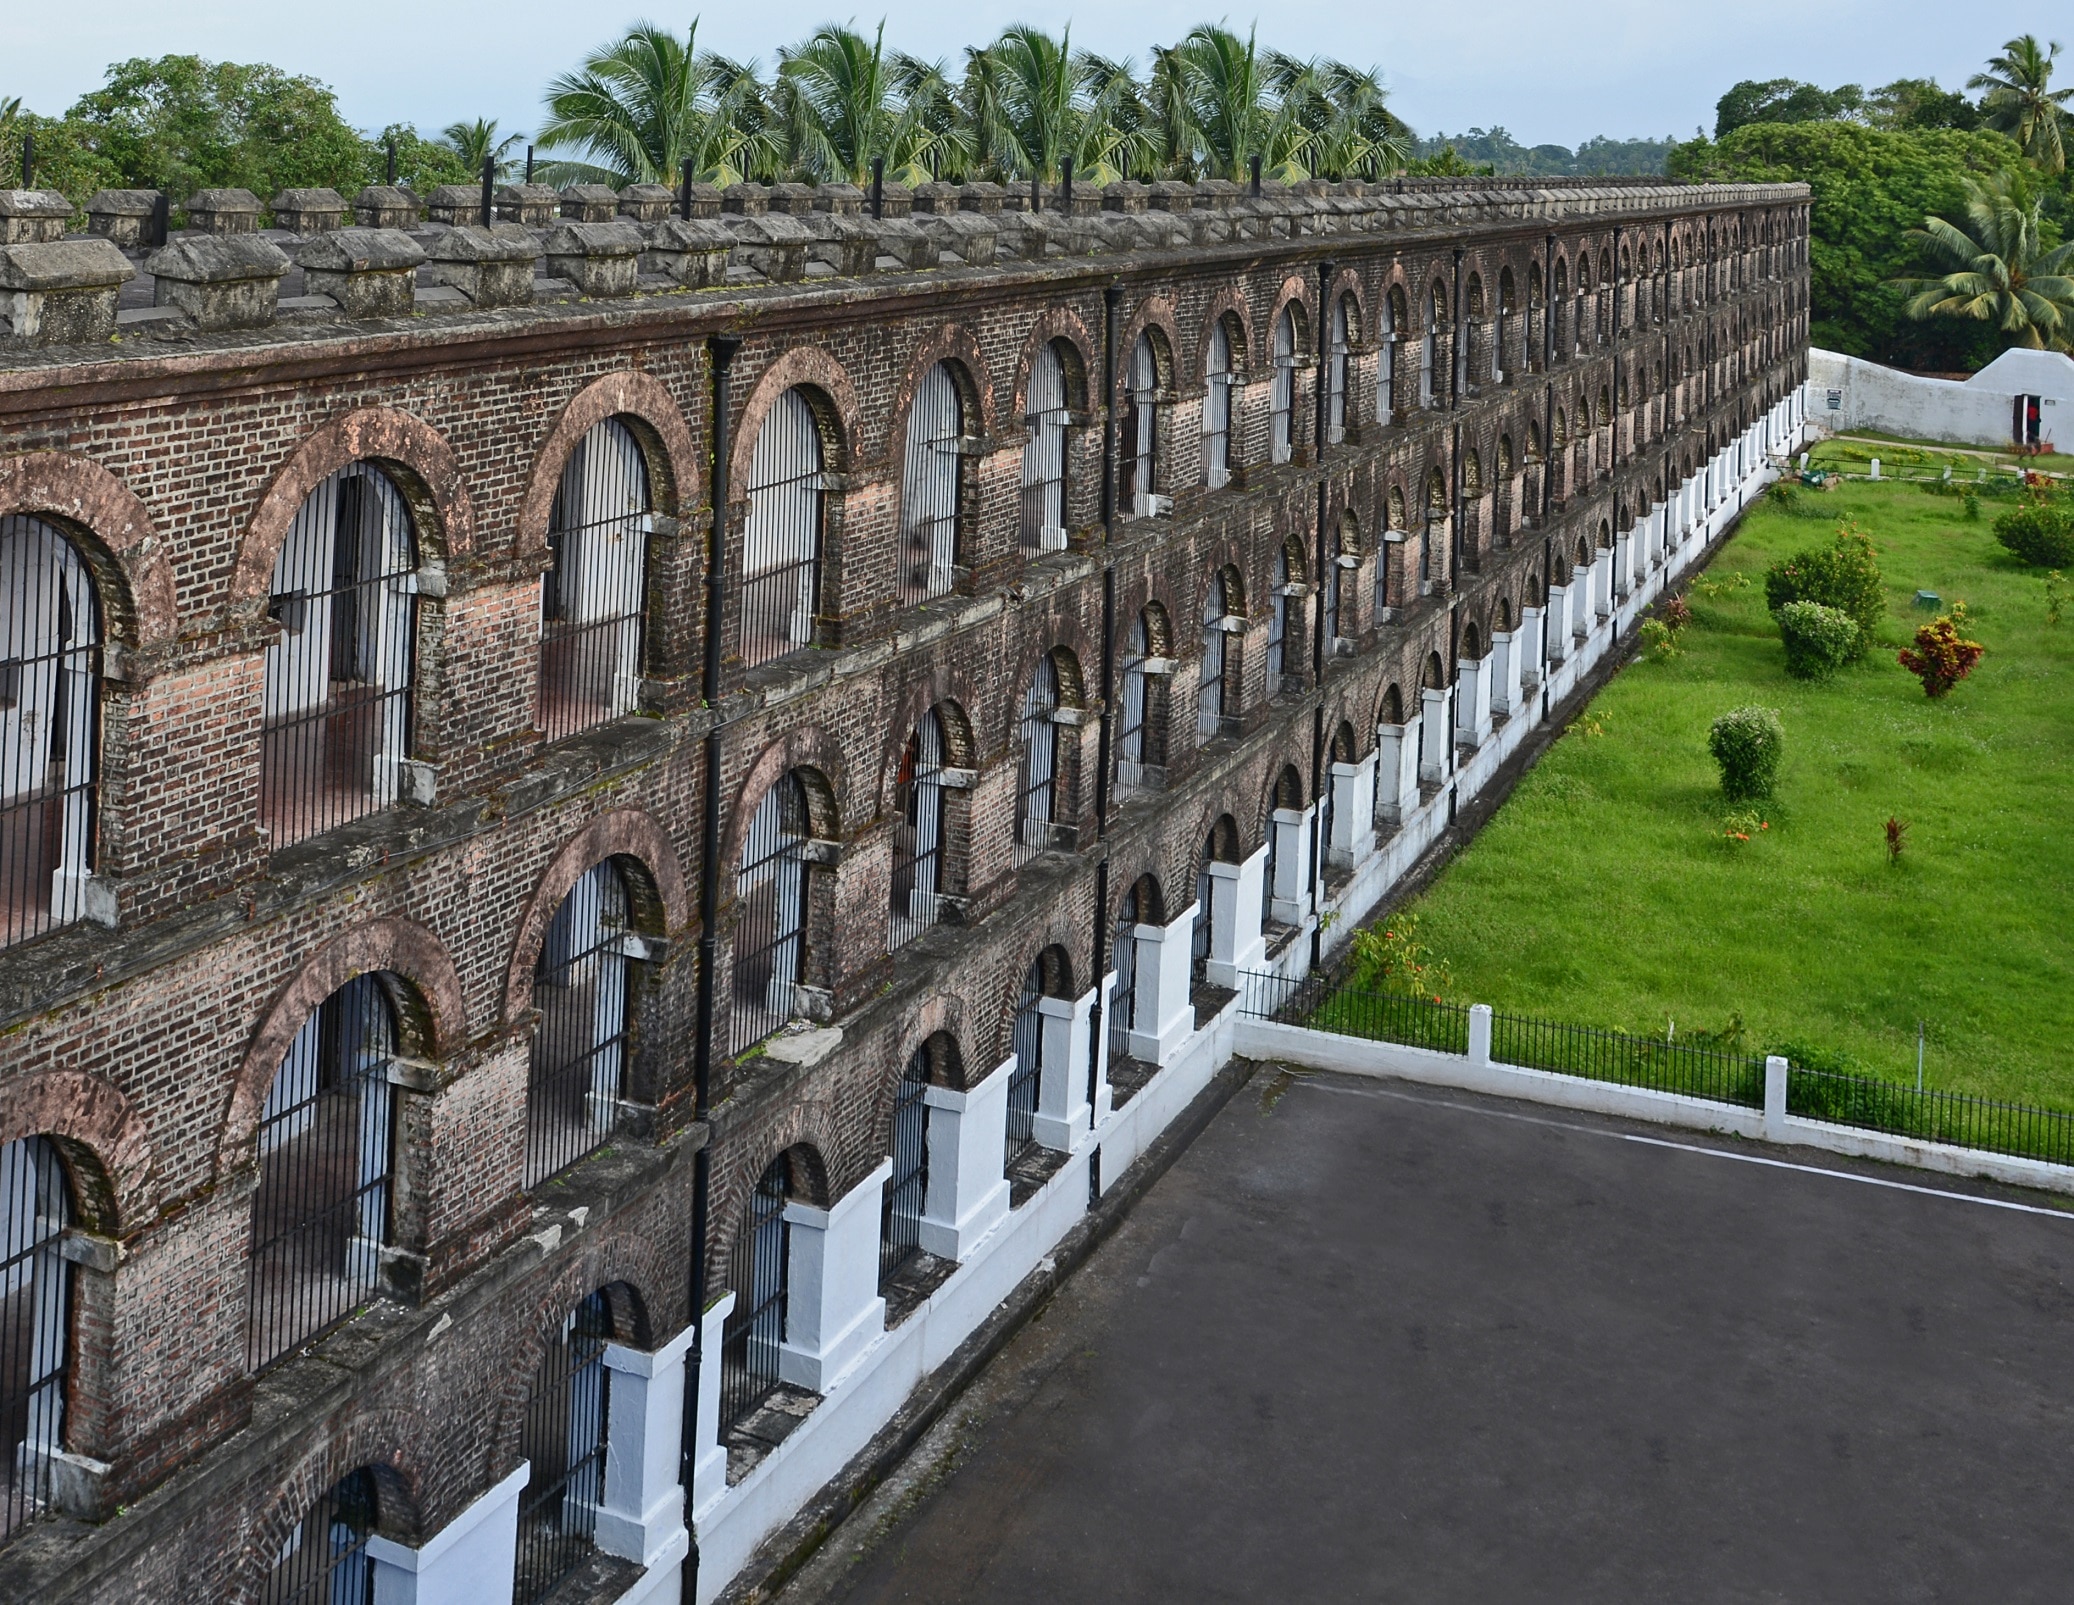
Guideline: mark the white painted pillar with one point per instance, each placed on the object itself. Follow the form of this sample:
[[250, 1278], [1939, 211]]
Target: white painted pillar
[[1165, 1016], [1392, 743], [1473, 701], [1237, 943], [1062, 1106], [1292, 889], [709, 1461], [1353, 812], [967, 1192], [472, 1560], [1557, 637], [1533, 628], [833, 1311], [1437, 729], [1624, 564], [1504, 673], [1601, 592], [642, 1515]]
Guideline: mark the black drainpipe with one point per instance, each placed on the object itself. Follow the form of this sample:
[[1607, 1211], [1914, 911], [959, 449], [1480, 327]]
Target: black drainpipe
[[1112, 298], [1319, 645]]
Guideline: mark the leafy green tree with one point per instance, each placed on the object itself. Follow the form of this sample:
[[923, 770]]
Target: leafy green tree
[[477, 142], [66, 159], [640, 108], [1354, 134], [1030, 101], [422, 164], [1996, 271], [2018, 100], [1919, 103], [843, 100], [1232, 103], [1782, 100]]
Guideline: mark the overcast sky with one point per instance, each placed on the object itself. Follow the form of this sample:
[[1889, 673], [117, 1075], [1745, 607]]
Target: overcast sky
[[1548, 70]]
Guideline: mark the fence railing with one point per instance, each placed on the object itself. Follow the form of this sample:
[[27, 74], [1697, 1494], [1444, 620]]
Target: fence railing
[[1693, 1070]]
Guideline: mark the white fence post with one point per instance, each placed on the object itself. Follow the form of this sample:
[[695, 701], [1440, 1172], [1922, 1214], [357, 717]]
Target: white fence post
[[1480, 1036], [1775, 1098]]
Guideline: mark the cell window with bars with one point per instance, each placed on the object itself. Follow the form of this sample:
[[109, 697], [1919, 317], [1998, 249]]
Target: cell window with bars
[[755, 1331], [563, 1441], [907, 1188], [336, 705], [1026, 1037], [918, 821], [320, 1218], [35, 1323], [594, 593], [1282, 390], [1131, 743], [1336, 374], [325, 1559], [1212, 690], [781, 541], [771, 889], [578, 1059], [1123, 961], [1044, 454], [1219, 383], [931, 485], [1037, 779], [50, 700], [1205, 910], [1140, 456]]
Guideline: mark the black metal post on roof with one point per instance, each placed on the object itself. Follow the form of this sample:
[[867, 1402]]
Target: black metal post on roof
[[489, 179], [28, 160], [1066, 185], [684, 193], [1036, 192], [529, 164], [391, 179], [1253, 163], [878, 186], [161, 218]]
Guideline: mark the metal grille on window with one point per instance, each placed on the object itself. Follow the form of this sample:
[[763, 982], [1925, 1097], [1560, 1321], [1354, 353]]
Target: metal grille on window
[[1267, 870], [1210, 696], [1205, 906], [929, 484], [1336, 375], [324, 1561], [338, 672], [1323, 844], [1282, 392], [1123, 992], [907, 1188], [1026, 1036], [1217, 408], [1141, 429], [1278, 624], [1130, 748], [592, 596], [771, 904], [918, 831], [321, 1214], [781, 539], [1329, 599], [1038, 781], [1386, 364], [1429, 349], [563, 1441], [579, 1046], [50, 696], [1044, 454], [35, 1320], [756, 1326]]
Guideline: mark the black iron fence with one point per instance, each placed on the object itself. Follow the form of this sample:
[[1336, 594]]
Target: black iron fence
[[1378, 1016], [1689, 1069], [2023, 1131]]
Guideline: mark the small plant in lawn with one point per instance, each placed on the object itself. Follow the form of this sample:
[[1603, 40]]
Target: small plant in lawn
[[1676, 613], [1941, 657], [1659, 640], [1743, 826], [1971, 506], [1819, 640], [1897, 838], [2040, 532], [2055, 596], [1747, 743], [1390, 954], [1713, 585], [1782, 496], [1843, 575], [1589, 724]]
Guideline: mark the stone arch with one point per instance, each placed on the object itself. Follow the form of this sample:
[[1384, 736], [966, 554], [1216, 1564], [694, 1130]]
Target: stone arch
[[957, 348], [113, 531], [98, 1132], [1347, 284], [1296, 290], [817, 757], [1228, 302], [387, 1443], [416, 458], [825, 384], [1154, 316], [1064, 326], [800, 1133], [660, 902], [952, 705], [1472, 642], [645, 404], [1433, 676], [1390, 707]]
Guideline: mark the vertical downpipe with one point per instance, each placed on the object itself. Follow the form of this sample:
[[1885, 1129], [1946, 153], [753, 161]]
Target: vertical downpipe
[[1112, 299], [1319, 779]]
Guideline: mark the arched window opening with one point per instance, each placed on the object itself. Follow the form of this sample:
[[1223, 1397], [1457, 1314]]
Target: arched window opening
[[1221, 846], [35, 1323], [1507, 299], [1342, 542], [1429, 347], [756, 1325], [907, 1188], [1220, 384], [1140, 751], [1337, 343], [771, 913], [592, 597], [1436, 519], [1037, 734], [1393, 520], [1044, 452], [918, 818], [1288, 587], [781, 539], [1026, 1037], [1282, 389], [580, 985], [563, 1442], [50, 700], [324, 1561], [1394, 321], [1140, 454], [1213, 684], [326, 1148], [1140, 905], [338, 671], [931, 484]]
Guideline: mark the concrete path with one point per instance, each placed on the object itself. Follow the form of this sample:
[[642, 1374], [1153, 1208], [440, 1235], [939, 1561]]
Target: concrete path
[[1372, 1342]]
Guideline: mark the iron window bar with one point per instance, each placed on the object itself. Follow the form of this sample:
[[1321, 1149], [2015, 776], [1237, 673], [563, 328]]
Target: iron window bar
[[1140, 455], [1212, 692], [1044, 454], [593, 595], [1336, 375], [755, 1330], [578, 1056], [325, 1560], [1038, 780], [35, 1323], [1026, 1037], [918, 820], [781, 541], [907, 1188], [1205, 909], [563, 1440], [1217, 408], [1130, 745], [930, 485], [1282, 390], [770, 920], [1123, 991]]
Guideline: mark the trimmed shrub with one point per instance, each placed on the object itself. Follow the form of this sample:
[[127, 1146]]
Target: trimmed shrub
[[2040, 533], [1842, 575], [1941, 657], [1819, 640], [1747, 744]]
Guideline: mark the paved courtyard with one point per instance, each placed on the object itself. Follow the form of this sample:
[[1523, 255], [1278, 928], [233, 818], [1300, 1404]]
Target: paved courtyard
[[1372, 1342]]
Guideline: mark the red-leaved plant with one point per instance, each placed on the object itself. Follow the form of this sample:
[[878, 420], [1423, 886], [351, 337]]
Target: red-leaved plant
[[1941, 657]]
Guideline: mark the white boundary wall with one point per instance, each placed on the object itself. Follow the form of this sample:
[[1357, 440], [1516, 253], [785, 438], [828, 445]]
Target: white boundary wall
[[1846, 393]]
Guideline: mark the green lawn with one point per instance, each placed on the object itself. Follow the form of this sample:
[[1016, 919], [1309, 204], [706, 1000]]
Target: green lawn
[[1604, 892], [1852, 454]]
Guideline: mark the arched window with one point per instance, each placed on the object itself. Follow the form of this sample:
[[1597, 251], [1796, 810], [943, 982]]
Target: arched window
[[1220, 847], [1038, 770], [563, 1442], [1026, 1037], [35, 1323], [781, 539], [1044, 452], [756, 1325], [592, 595], [50, 699], [918, 815], [338, 671], [324, 1561], [1436, 516], [907, 1188], [1394, 321], [1220, 385], [1213, 697], [1429, 347], [771, 913], [1282, 389], [931, 484], [326, 1138], [1337, 340], [1340, 536], [1140, 905], [1507, 299], [1288, 568], [1140, 454], [1393, 519], [1138, 752], [580, 1045]]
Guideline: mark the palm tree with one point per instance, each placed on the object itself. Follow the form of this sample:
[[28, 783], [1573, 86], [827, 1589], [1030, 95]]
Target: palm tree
[[2019, 103], [843, 100], [1234, 105], [1030, 102], [1358, 135], [477, 142], [1994, 270], [643, 106]]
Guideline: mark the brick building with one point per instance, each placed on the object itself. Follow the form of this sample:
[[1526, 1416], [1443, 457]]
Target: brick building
[[609, 823]]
